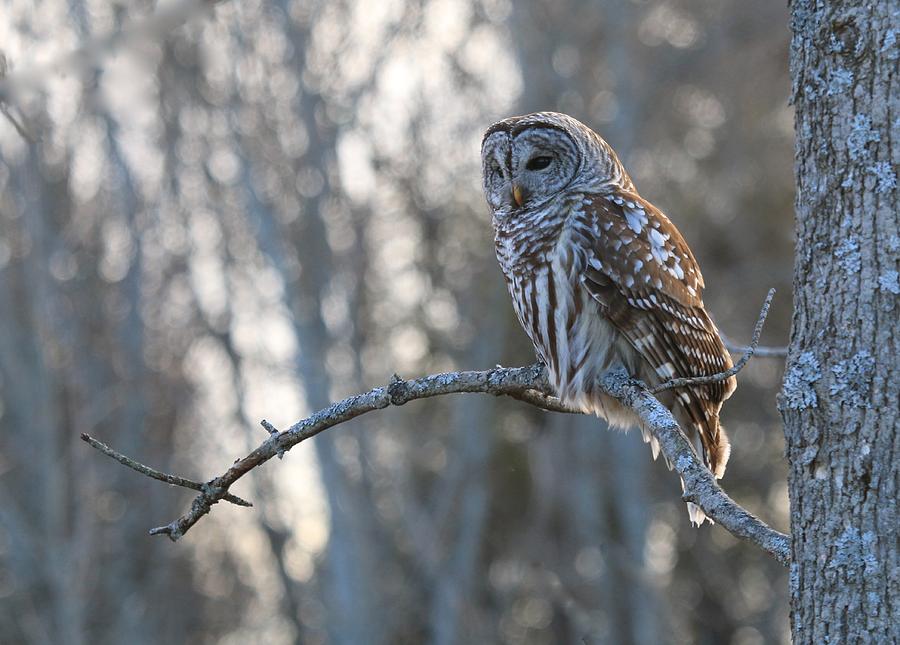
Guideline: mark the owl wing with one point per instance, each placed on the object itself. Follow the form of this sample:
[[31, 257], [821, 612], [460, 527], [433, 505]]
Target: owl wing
[[648, 284]]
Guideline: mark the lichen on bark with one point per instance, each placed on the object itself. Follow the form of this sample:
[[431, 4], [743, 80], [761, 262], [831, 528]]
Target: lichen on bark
[[840, 401]]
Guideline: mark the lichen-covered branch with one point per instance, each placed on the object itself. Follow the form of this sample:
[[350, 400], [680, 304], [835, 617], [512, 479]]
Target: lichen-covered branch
[[528, 384], [700, 486]]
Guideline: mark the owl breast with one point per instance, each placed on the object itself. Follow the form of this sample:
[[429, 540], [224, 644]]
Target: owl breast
[[543, 265]]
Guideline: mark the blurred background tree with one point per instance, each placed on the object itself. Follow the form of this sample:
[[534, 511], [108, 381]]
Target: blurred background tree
[[250, 209]]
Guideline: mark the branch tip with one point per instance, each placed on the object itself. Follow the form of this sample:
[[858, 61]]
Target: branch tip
[[168, 530], [174, 480]]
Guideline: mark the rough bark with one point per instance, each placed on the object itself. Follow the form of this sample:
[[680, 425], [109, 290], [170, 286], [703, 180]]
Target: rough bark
[[840, 396]]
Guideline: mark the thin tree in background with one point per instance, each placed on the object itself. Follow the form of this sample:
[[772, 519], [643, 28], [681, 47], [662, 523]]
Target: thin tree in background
[[840, 395]]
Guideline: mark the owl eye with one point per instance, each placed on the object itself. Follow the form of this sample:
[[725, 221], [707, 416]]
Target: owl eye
[[538, 163]]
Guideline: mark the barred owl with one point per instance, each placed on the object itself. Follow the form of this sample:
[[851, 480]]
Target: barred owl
[[600, 278]]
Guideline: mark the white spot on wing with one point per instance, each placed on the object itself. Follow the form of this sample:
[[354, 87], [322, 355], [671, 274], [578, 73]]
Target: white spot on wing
[[659, 254], [635, 217]]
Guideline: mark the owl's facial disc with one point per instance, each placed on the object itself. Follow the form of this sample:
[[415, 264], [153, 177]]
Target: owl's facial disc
[[544, 161]]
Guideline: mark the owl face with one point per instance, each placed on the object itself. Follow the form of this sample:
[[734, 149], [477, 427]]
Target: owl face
[[525, 167], [528, 160]]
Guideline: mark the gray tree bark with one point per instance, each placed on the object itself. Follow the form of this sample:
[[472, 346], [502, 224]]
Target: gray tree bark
[[840, 397]]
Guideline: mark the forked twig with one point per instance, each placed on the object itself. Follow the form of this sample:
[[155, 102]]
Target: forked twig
[[175, 480]]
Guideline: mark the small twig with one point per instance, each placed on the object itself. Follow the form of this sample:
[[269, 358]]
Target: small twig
[[762, 351], [273, 431], [175, 480], [721, 376]]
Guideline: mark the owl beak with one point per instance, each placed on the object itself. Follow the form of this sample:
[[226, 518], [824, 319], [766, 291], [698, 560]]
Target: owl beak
[[518, 194]]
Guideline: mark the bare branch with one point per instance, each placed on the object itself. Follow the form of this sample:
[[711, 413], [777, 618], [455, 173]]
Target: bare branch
[[762, 351], [721, 376], [528, 384], [700, 486], [515, 381], [175, 480], [524, 383]]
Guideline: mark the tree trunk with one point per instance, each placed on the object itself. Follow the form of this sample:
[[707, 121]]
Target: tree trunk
[[840, 394]]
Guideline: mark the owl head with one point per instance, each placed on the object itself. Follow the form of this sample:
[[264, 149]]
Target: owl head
[[528, 160]]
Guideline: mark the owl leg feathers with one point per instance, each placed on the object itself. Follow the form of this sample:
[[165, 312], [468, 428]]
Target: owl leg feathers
[[707, 436]]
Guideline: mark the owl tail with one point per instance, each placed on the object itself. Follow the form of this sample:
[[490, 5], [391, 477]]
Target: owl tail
[[694, 512], [698, 417], [715, 456]]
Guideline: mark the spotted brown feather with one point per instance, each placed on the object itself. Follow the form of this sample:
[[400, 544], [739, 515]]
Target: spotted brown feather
[[656, 285]]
